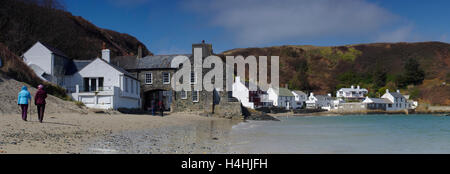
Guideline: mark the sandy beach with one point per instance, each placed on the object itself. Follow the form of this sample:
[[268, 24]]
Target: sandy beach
[[113, 133]]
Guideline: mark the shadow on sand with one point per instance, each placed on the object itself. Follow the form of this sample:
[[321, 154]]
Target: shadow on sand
[[45, 122]]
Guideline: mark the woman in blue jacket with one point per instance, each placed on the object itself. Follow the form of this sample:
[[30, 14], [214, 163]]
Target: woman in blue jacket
[[23, 99]]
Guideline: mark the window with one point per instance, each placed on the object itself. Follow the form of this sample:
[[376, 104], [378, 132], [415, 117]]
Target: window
[[93, 84], [126, 84], [183, 94], [148, 78], [195, 96], [132, 86], [166, 78], [137, 88], [193, 78], [100, 84], [86, 84]]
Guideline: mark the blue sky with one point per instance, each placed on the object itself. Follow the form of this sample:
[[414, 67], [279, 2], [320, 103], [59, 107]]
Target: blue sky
[[171, 26]]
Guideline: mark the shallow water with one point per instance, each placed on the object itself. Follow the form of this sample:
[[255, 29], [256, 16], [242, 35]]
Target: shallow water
[[373, 134]]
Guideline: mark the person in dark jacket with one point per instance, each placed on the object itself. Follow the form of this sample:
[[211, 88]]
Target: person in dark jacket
[[22, 100], [39, 101], [161, 107]]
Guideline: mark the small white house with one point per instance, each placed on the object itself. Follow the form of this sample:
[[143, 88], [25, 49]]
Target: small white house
[[398, 101], [47, 62], [319, 102], [281, 97], [300, 98], [100, 84], [352, 93]]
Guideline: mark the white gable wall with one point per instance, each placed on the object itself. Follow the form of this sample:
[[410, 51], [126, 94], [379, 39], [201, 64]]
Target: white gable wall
[[113, 80], [241, 92], [39, 55]]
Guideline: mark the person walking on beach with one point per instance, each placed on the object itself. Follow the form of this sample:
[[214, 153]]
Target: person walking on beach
[[161, 107], [39, 101], [22, 100]]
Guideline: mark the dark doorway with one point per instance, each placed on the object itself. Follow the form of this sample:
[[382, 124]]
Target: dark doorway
[[157, 95]]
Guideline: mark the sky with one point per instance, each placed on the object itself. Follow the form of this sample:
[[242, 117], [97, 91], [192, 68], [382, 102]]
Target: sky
[[172, 26]]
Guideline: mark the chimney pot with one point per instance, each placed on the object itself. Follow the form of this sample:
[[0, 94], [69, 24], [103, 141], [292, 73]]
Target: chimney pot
[[139, 52], [106, 55], [398, 91]]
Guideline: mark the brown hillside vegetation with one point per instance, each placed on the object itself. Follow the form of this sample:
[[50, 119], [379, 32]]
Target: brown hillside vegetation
[[24, 22], [326, 69]]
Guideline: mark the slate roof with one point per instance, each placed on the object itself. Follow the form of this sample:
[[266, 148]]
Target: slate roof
[[380, 100], [396, 94], [54, 50], [299, 92], [284, 92], [323, 97], [76, 65], [352, 89], [148, 62]]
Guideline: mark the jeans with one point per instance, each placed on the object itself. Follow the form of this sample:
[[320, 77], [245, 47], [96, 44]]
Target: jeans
[[24, 111]]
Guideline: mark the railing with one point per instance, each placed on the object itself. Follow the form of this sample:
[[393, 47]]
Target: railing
[[75, 89]]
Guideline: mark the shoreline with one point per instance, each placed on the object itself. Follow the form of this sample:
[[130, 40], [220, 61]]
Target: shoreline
[[74, 133], [324, 114]]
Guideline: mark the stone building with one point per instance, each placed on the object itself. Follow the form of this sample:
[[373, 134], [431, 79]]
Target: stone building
[[155, 72]]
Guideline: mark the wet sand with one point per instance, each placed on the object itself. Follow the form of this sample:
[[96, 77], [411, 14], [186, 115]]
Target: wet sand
[[114, 133]]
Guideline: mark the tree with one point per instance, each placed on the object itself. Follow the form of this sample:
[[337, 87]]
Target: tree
[[379, 77], [413, 73]]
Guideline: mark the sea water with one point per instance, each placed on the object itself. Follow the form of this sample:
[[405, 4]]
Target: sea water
[[367, 134]]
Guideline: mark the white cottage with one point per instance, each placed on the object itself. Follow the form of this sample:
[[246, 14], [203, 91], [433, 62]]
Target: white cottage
[[282, 97], [398, 102], [300, 98], [319, 102], [47, 62], [100, 84], [352, 93]]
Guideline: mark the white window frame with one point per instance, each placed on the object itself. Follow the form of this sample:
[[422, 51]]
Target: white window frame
[[195, 78], [166, 83], [185, 94], [151, 78], [195, 101]]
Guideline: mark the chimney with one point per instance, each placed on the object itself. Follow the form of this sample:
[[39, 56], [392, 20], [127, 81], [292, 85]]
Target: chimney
[[329, 94], [387, 90], [312, 94], [398, 91], [206, 48], [358, 87], [139, 52], [353, 87], [286, 86], [106, 53]]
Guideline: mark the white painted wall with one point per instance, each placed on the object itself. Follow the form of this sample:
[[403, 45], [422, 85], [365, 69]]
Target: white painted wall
[[39, 55], [287, 102], [241, 92], [398, 104], [117, 97]]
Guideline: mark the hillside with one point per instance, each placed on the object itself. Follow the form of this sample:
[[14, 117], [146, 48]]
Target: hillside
[[326, 69], [23, 22]]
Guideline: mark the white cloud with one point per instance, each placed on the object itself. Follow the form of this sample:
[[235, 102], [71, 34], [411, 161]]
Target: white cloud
[[264, 21], [400, 34]]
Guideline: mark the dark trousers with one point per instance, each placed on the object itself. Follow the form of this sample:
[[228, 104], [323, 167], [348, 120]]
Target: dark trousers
[[24, 111], [40, 111], [161, 112]]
